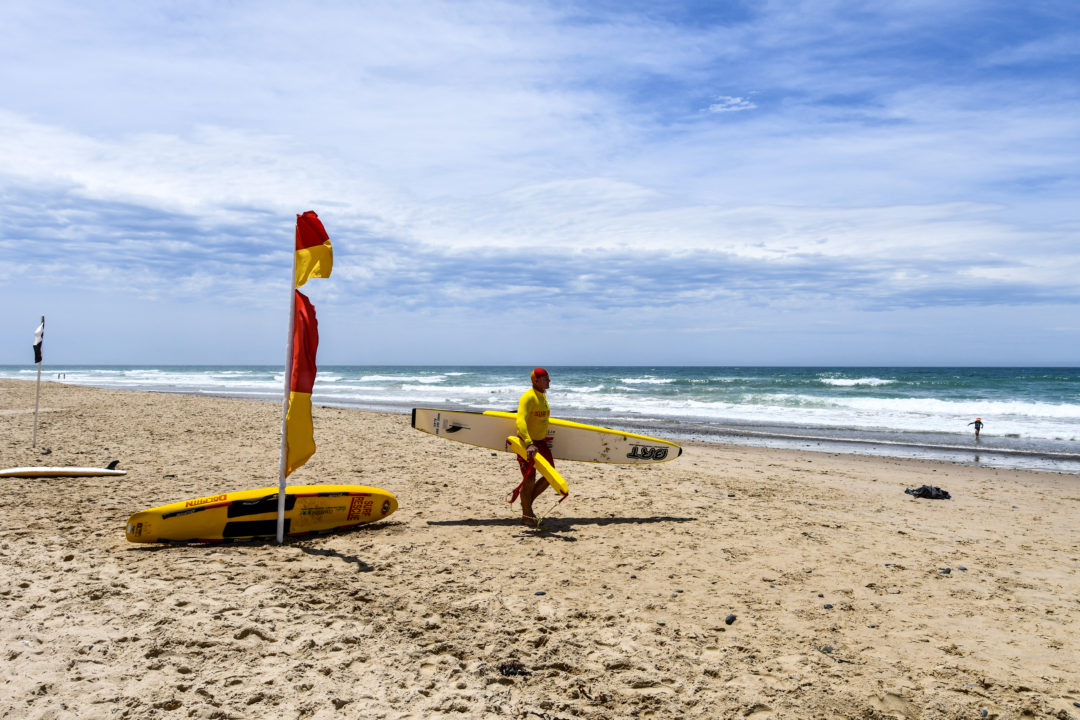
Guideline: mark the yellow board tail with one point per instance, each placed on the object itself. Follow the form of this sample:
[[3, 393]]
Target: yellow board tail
[[540, 462]]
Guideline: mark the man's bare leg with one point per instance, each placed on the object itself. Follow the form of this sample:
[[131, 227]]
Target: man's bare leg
[[527, 488]]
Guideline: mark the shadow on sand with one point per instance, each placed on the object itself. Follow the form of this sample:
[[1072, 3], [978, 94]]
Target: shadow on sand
[[361, 566], [556, 525]]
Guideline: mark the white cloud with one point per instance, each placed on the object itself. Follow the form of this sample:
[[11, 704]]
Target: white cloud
[[1062, 47], [727, 103]]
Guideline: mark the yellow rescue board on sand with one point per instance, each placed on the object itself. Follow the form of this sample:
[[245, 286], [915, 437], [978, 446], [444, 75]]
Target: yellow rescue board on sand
[[251, 514], [541, 464]]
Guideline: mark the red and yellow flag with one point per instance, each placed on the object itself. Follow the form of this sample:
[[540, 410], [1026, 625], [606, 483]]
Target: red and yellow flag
[[299, 431], [314, 258], [314, 254]]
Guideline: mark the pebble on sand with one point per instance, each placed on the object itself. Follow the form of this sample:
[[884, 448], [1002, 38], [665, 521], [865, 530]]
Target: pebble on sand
[[509, 669], [729, 619]]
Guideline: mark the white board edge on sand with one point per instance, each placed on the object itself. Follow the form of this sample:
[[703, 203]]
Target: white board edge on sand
[[32, 472]]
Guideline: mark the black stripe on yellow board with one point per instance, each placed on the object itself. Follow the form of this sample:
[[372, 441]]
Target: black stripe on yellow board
[[253, 528], [240, 508], [188, 511], [245, 537]]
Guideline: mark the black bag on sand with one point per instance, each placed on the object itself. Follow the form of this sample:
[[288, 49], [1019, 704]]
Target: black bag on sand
[[929, 491]]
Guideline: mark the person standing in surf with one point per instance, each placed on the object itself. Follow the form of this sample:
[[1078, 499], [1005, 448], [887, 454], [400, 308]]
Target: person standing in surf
[[978, 423], [532, 426]]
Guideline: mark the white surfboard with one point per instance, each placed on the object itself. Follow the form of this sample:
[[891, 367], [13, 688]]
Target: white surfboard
[[569, 440], [32, 472]]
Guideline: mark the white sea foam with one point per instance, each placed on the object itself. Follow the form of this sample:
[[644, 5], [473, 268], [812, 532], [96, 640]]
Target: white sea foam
[[587, 390], [851, 382], [403, 378], [1023, 419]]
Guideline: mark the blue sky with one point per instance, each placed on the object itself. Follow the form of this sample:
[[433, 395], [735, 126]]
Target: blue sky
[[555, 183]]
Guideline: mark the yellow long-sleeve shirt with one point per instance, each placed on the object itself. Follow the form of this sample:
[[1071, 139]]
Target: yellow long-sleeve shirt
[[532, 416]]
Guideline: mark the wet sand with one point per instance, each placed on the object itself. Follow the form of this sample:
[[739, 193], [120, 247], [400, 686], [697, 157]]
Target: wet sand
[[731, 582]]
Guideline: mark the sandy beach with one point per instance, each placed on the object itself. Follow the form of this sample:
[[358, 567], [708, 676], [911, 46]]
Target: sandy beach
[[733, 582]]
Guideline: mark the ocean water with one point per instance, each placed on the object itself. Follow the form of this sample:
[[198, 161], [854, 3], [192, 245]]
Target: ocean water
[[1031, 415]]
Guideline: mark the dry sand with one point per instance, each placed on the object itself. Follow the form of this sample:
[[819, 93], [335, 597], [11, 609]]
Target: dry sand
[[850, 598]]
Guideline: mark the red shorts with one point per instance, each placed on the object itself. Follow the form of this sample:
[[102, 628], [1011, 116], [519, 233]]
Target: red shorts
[[543, 448]]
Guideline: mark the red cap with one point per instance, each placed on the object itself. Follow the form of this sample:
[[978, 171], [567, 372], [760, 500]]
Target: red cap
[[537, 373]]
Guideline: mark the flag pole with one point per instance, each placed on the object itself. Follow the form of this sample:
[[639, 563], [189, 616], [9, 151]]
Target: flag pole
[[285, 405], [37, 393]]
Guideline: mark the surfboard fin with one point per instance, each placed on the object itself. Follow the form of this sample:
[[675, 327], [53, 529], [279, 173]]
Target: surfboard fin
[[112, 465]]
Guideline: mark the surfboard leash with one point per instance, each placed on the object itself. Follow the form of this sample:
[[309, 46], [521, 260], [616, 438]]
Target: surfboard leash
[[513, 495], [558, 502]]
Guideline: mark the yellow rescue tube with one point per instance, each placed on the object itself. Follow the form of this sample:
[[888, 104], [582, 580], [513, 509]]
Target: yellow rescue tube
[[546, 469]]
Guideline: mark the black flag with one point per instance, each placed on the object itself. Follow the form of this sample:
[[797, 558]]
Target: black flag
[[39, 335]]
